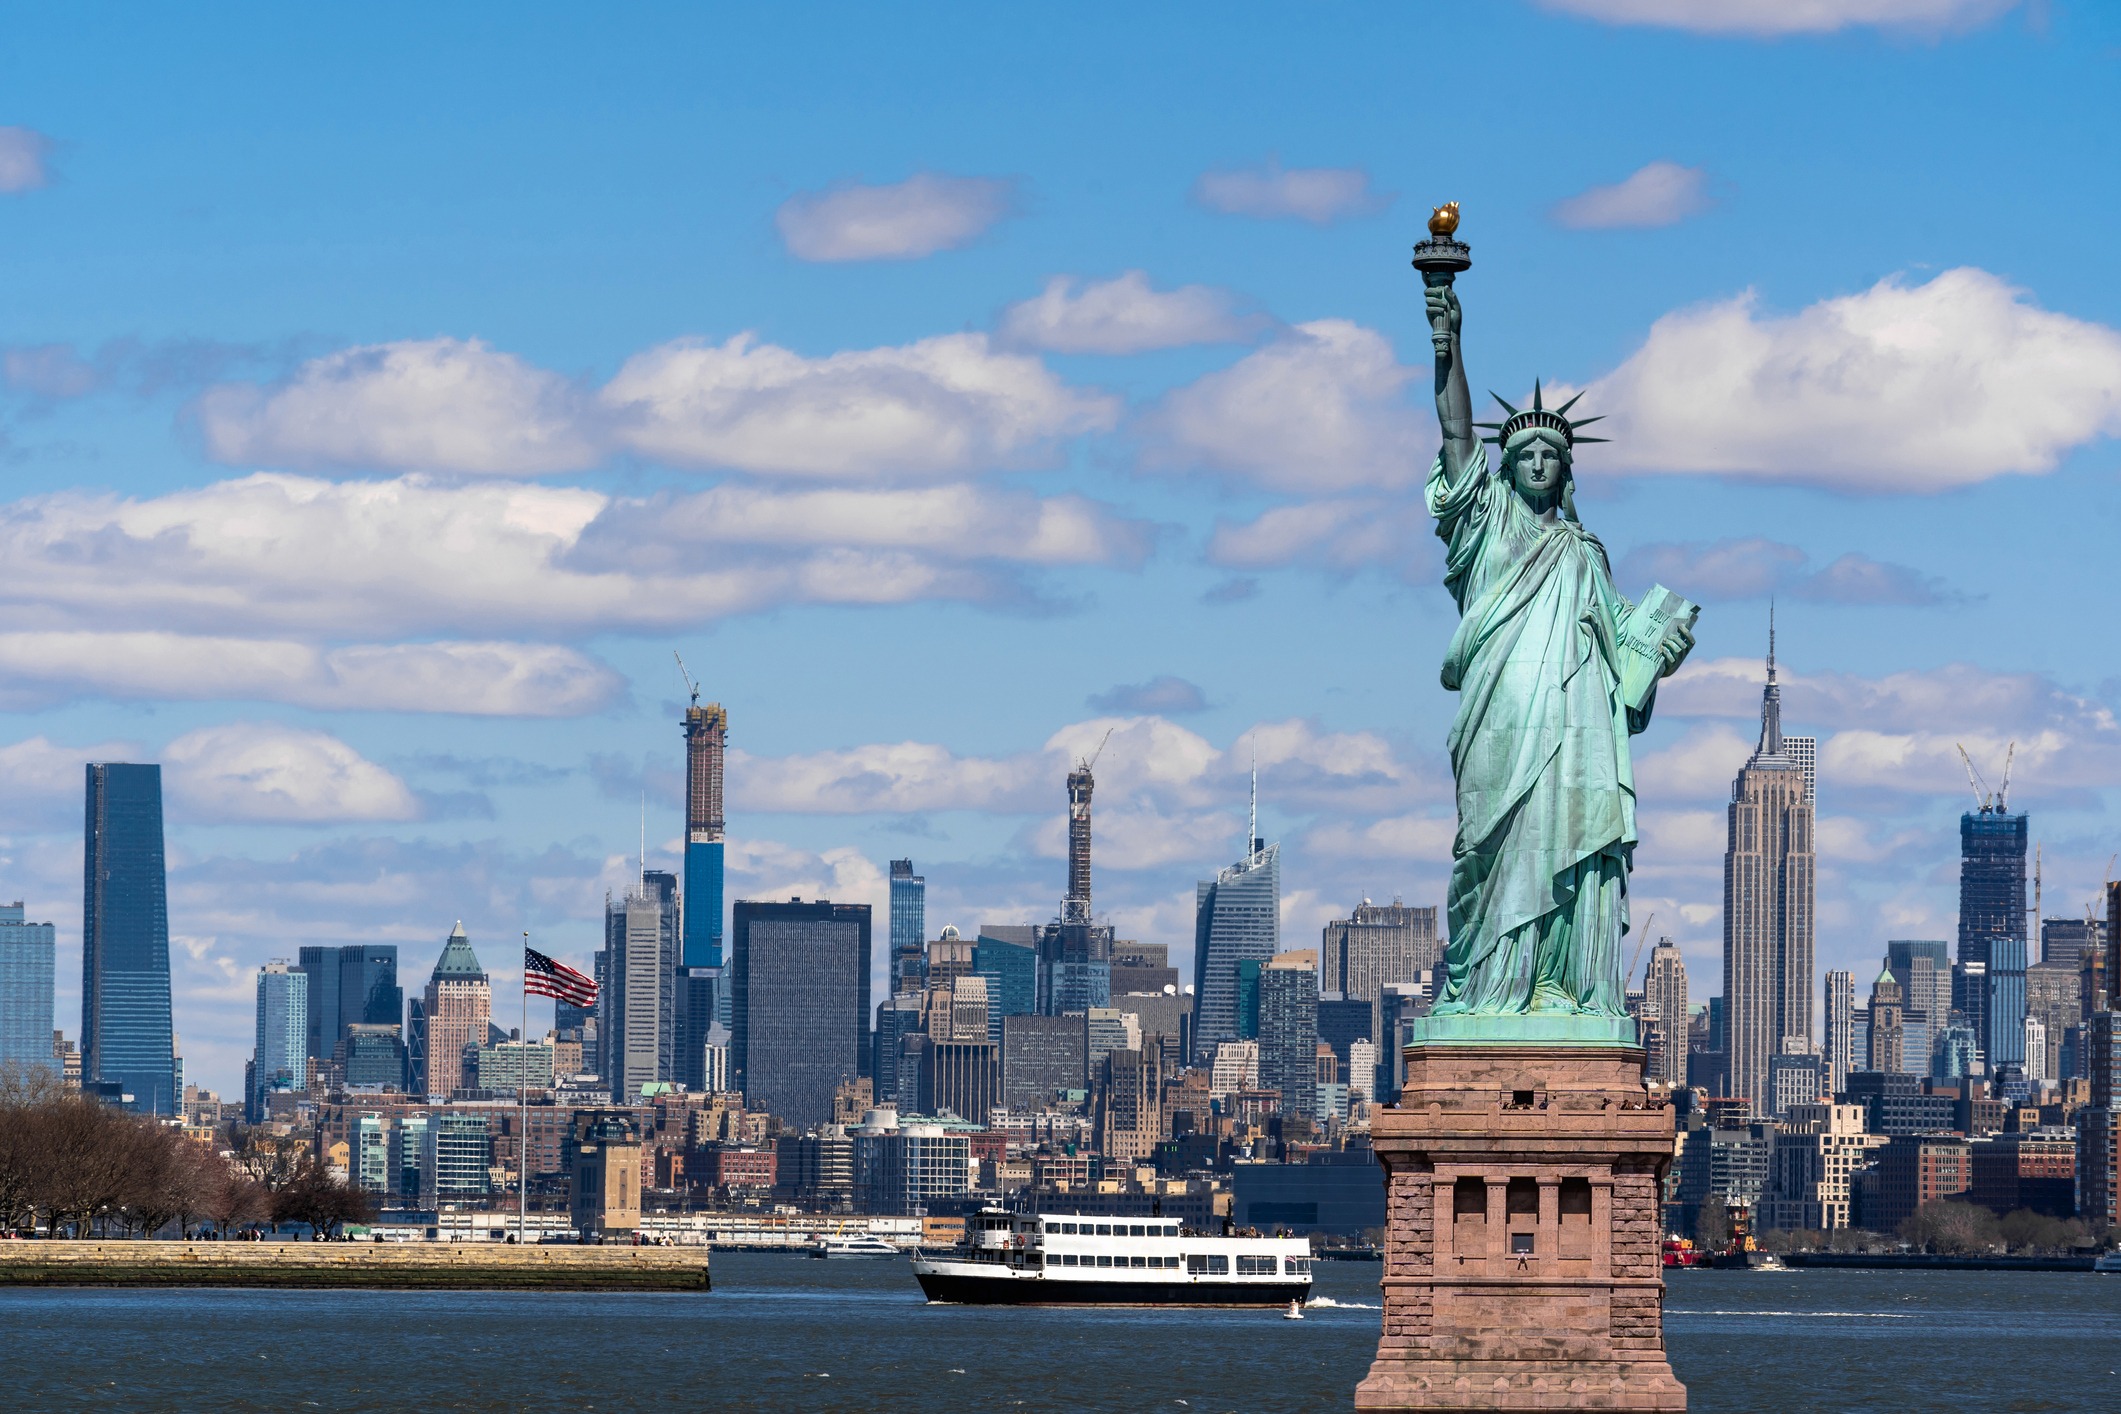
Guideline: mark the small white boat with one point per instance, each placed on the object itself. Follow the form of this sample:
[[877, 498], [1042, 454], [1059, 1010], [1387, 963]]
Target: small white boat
[[2107, 1262], [863, 1246], [1295, 1311]]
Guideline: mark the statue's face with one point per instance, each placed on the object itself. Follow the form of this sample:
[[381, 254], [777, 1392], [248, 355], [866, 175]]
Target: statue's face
[[1537, 468]]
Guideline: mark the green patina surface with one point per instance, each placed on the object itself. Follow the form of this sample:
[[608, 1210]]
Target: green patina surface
[[1555, 672]]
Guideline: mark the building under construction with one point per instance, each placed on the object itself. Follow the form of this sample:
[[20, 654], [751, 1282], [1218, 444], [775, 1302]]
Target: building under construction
[[1075, 954], [706, 738]]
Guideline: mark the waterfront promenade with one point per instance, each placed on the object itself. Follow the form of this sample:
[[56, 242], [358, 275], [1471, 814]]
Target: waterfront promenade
[[474, 1266]]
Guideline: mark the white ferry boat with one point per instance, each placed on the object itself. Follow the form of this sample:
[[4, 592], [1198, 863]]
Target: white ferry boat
[[1076, 1259]]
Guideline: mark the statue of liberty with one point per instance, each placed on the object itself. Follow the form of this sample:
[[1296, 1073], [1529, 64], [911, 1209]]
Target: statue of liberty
[[1554, 671]]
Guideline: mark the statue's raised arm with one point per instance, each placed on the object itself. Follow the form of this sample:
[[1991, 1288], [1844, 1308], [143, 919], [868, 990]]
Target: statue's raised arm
[[1454, 404]]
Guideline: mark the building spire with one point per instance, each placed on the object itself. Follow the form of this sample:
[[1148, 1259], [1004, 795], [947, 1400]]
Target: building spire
[[1770, 697], [1252, 829]]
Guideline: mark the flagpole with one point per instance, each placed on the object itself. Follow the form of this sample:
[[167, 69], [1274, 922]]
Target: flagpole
[[523, 1100]]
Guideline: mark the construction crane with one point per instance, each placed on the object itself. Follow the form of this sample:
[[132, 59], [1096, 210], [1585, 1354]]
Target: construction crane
[[1973, 778], [1638, 954], [1091, 760], [2003, 793], [690, 685]]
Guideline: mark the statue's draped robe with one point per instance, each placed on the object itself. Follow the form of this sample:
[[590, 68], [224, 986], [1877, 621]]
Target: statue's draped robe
[[1546, 795]]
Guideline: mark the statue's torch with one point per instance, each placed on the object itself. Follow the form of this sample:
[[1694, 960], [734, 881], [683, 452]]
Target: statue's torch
[[1441, 256]]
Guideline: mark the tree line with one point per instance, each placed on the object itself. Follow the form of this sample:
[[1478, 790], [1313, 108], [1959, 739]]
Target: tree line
[[71, 1166]]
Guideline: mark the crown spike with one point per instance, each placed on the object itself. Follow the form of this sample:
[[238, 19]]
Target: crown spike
[[1564, 408], [1587, 421], [1537, 406], [1506, 407], [1590, 439]]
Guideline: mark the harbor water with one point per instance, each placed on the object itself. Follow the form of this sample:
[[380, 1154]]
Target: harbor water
[[787, 1332]]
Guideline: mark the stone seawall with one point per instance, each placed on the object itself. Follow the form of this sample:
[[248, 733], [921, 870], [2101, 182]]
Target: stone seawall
[[471, 1266]]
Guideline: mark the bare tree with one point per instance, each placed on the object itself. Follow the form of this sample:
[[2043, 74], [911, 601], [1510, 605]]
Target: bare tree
[[25, 1092], [315, 1197], [1951, 1228], [81, 1165]]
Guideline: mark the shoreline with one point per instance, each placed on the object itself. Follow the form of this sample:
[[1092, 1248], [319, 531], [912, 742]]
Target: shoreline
[[426, 1266]]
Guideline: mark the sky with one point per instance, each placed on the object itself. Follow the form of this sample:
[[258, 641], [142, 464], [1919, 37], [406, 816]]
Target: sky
[[386, 394]]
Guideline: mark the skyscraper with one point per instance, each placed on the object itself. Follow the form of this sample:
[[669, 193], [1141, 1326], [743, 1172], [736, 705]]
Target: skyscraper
[[1992, 909], [457, 1010], [320, 964], [127, 1037], [26, 981], [1887, 1046], [1236, 919], [1923, 968], [281, 1047], [1664, 988], [1991, 877], [1379, 943], [1840, 1029], [2002, 1026], [1075, 905], [706, 738], [1288, 1029], [800, 987], [909, 928], [1768, 903], [641, 1008], [369, 994]]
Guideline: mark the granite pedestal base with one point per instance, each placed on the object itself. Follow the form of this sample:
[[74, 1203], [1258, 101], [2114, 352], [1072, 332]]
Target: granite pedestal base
[[1523, 1240]]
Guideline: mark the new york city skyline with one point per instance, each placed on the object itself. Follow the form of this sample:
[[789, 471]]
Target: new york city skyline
[[369, 455]]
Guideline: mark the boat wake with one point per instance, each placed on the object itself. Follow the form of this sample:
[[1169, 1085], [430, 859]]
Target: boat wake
[[1328, 1303]]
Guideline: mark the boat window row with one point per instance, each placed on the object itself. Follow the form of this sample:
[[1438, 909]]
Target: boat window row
[[1215, 1264], [1112, 1229], [1106, 1259]]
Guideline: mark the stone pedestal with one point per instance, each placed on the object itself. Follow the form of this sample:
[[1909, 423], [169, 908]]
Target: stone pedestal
[[1523, 1246]]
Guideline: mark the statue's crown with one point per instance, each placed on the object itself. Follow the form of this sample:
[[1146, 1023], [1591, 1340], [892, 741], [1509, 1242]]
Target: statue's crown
[[1539, 415]]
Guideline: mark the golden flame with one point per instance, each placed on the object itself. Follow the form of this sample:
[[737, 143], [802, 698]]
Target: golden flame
[[1444, 222]]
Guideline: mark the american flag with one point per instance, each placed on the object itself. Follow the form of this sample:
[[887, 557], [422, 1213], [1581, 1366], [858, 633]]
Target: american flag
[[556, 979]]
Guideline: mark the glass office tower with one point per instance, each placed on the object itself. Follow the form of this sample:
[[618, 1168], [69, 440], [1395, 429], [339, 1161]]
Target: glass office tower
[[26, 951], [1237, 919], [126, 1032]]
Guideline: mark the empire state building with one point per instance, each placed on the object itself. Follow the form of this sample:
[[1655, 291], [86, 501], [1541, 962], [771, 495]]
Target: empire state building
[[1768, 889]]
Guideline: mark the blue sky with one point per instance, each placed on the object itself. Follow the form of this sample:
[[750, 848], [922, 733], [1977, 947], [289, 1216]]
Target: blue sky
[[383, 396]]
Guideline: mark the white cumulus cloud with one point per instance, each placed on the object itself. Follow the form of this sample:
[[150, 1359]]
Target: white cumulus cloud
[[1123, 315], [1338, 535], [1153, 764], [1320, 195], [926, 213], [417, 405], [1320, 409], [277, 554], [1660, 194], [1899, 388], [944, 406], [951, 405], [479, 679], [1767, 18], [265, 771], [1753, 566], [22, 154]]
